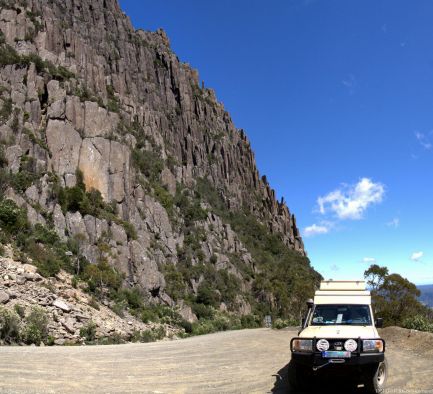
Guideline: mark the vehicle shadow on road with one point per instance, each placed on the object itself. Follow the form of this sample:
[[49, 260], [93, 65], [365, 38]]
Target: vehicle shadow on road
[[282, 385]]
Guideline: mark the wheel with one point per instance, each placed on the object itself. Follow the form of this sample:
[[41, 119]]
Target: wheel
[[300, 377], [376, 378]]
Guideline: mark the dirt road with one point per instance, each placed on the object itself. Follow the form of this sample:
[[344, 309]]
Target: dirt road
[[247, 361]]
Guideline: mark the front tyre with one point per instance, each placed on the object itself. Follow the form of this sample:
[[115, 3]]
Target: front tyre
[[300, 377], [376, 378]]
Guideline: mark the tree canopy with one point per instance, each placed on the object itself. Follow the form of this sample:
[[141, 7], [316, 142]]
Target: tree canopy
[[394, 298]]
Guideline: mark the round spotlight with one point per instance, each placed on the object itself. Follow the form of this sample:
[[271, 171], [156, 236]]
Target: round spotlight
[[322, 345], [350, 345]]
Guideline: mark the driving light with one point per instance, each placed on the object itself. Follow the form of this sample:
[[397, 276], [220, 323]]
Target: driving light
[[372, 345], [302, 345], [350, 345], [322, 345]]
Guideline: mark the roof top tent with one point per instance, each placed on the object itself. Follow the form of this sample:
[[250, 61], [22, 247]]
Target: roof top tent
[[342, 292]]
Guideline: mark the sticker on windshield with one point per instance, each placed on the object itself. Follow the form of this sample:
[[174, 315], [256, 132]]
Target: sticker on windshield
[[339, 318]]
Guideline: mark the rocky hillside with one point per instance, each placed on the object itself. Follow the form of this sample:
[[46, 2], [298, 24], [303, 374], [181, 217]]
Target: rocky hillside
[[64, 313], [120, 167]]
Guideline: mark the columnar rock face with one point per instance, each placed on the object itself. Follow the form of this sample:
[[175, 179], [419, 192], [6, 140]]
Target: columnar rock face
[[115, 103]]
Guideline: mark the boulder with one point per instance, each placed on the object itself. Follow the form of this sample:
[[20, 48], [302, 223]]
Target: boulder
[[62, 305], [186, 312], [68, 324], [4, 297], [20, 280]]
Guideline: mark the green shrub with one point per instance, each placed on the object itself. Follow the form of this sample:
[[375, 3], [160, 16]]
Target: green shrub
[[47, 262], [203, 327], [94, 303], [19, 309], [71, 199], [113, 105], [36, 60], [133, 297], [203, 311], [150, 335], [59, 73], [115, 339], [36, 329], [45, 235], [3, 160], [227, 284], [129, 228], [45, 248], [8, 55], [164, 197], [207, 295], [102, 275], [149, 163], [9, 326], [223, 323], [13, 220], [187, 326], [175, 285], [251, 321], [23, 179], [280, 323], [88, 332], [418, 322], [194, 212], [6, 110], [119, 308], [149, 315]]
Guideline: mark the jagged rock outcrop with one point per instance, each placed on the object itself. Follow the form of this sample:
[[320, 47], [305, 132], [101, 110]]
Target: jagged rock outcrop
[[82, 90]]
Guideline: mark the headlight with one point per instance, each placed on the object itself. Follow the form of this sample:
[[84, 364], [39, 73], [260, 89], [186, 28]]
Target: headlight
[[372, 345], [350, 345], [302, 345], [322, 345]]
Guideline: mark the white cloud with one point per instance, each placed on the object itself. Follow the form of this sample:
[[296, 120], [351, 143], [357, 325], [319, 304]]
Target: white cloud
[[416, 256], [315, 230], [395, 222], [350, 83], [369, 260], [423, 140], [350, 201]]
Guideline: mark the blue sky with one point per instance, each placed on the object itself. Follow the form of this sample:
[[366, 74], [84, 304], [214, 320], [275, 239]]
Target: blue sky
[[336, 97]]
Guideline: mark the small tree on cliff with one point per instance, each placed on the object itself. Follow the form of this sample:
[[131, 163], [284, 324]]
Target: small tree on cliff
[[394, 297]]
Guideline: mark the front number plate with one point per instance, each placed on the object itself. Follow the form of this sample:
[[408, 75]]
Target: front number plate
[[336, 354]]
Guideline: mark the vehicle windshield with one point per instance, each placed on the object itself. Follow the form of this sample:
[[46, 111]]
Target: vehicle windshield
[[355, 315]]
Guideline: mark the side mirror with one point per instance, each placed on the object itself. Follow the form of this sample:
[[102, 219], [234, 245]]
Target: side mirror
[[379, 322], [303, 322]]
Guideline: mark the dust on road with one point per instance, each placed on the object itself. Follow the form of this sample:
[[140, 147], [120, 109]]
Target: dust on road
[[246, 361]]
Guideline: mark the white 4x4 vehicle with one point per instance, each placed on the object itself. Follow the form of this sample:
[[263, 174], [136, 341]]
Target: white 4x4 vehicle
[[339, 337]]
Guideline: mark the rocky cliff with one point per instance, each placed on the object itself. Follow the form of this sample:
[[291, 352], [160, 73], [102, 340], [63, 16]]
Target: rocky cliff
[[112, 144]]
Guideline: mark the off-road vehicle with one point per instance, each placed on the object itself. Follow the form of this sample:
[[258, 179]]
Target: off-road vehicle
[[338, 339]]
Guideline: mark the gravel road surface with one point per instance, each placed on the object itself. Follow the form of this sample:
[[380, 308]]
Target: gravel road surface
[[247, 361]]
